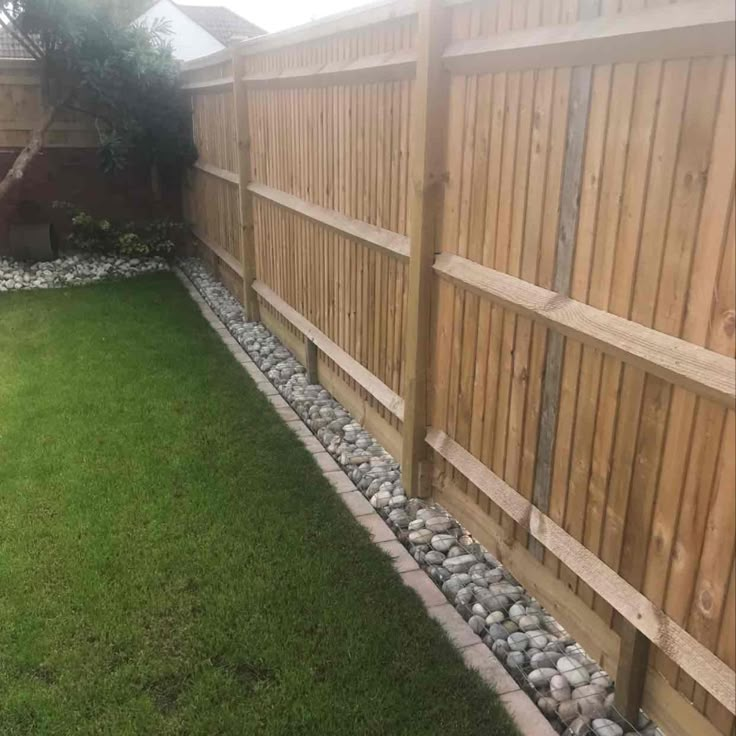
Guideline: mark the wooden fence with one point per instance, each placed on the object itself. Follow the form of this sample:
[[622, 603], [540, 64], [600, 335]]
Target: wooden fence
[[21, 109], [506, 231]]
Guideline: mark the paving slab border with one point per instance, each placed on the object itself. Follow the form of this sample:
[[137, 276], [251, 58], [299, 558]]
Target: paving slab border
[[475, 654]]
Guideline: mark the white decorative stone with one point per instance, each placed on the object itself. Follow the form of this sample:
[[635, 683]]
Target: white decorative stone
[[461, 563], [560, 689], [606, 727], [541, 677], [575, 672]]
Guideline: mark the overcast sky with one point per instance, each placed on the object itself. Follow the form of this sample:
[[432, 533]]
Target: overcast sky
[[275, 15]]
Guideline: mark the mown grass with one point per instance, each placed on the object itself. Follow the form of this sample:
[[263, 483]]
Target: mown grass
[[172, 561]]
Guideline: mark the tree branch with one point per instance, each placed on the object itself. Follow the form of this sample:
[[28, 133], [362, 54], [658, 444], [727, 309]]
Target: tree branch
[[25, 157], [90, 113]]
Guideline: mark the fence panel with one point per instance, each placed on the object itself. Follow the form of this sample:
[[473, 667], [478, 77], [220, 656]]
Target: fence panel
[[21, 109], [579, 391]]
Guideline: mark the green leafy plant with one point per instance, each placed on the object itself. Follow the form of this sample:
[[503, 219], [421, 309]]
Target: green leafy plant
[[101, 235], [123, 76]]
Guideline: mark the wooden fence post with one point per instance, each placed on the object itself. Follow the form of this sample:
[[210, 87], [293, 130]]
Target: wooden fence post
[[426, 180], [312, 362], [631, 672], [245, 171]]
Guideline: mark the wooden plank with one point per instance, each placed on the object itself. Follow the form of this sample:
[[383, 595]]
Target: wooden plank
[[696, 368], [668, 32], [701, 664], [28, 125], [631, 671], [672, 712], [350, 20], [220, 252], [575, 138], [425, 205], [360, 410], [311, 361], [217, 172], [216, 58], [212, 85], [387, 67], [18, 80], [245, 199], [370, 235], [373, 385], [20, 64]]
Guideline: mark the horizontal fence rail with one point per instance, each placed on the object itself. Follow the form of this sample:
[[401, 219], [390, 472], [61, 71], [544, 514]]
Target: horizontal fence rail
[[701, 664], [375, 237], [502, 235], [677, 361], [687, 29], [379, 68]]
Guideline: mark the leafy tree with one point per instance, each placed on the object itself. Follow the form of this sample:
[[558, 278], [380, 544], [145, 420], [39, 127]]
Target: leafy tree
[[125, 77]]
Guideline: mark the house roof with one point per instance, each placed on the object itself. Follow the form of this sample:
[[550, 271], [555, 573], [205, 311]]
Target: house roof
[[227, 27], [10, 48]]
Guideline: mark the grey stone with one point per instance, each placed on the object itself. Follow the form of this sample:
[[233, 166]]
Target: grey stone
[[421, 536], [462, 563], [540, 677], [579, 727], [399, 517], [518, 641], [442, 542], [544, 659], [382, 499], [515, 660], [478, 610], [574, 672], [601, 678], [439, 524], [434, 557], [516, 612], [491, 602], [477, 624], [528, 623], [567, 711], [496, 631], [537, 638], [606, 727], [560, 689], [496, 617], [452, 587], [500, 648], [439, 574], [548, 706]]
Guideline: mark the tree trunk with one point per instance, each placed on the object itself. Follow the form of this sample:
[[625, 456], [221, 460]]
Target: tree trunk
[[18, 170]]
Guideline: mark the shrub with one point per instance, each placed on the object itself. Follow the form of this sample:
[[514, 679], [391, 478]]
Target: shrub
[[152, 238]]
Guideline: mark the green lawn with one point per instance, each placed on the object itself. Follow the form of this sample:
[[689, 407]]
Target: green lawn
[[172, 561]]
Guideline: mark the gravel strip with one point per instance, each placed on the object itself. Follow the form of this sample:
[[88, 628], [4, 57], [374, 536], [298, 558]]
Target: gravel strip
[[73, 270]]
